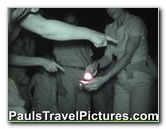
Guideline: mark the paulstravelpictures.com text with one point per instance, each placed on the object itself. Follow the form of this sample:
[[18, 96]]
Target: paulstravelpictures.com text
[[80, 116]]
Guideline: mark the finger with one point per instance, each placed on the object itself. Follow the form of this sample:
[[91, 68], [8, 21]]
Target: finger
[[91, 69], [91, 89], [89, 85], [49, 69], [87, 68], [88, 88], [60, 67], [111, 39], [54, 69], [94, 73], [97, 45], [104, 43], [91, 82]]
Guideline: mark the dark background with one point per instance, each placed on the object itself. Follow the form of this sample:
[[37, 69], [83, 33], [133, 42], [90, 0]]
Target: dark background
[[97, 19]]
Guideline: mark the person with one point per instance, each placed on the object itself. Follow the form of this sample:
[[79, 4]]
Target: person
[[44, 95], [15, 102], [134, 68], [103, 97], [74, 57], [29, 19]]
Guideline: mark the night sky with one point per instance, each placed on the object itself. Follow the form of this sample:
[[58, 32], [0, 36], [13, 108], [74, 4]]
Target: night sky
[[97, 19]]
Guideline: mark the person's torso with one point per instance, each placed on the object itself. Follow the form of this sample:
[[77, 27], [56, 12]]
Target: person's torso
[[122, 35], [73, 53], [24, 45]]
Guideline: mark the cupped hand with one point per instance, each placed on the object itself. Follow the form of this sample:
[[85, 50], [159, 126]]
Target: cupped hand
[[92, 69], [95, 84]]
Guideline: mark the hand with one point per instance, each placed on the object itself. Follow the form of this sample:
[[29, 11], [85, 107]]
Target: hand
[[51, 66], [100, 40], [95, 84], [92, 69]]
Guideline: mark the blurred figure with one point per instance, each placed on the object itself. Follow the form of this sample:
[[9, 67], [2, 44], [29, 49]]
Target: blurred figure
[[74, 56], [30, 20], [135, 70], [44, 95]]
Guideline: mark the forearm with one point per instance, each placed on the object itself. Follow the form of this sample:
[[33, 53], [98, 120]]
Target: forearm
[[118, 66], [107, 58], [63, 31], [131, 46], [104, 62], [24, 61], [54, 29]]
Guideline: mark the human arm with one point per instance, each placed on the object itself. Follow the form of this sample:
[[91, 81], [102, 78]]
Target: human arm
[[107, 58], [49, 65], [102, 62], [131, 46], [57, 30]]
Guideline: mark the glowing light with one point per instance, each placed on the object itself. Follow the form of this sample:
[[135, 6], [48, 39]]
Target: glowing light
[[88, 76]]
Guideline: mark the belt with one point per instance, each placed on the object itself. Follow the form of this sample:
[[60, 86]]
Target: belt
[[75, 67], [146, 66]]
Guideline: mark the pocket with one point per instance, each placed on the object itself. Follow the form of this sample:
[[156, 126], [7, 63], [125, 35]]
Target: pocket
[[152, 68], [129, 74]]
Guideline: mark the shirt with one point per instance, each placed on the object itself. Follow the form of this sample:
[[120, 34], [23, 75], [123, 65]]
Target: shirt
[[132, 26], [73, 53], [20, 42], [16, 15]]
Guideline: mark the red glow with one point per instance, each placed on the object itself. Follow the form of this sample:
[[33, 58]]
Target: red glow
[[88, 76]]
